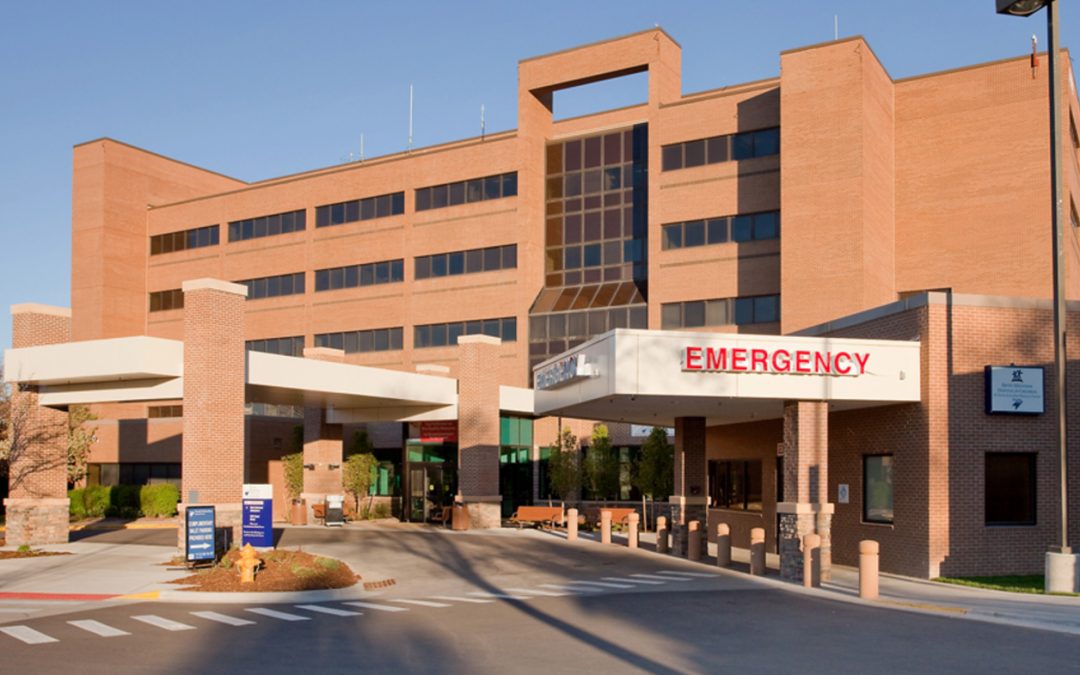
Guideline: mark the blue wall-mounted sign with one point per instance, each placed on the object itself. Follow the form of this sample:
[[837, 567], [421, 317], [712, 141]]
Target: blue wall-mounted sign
[[1015, 390], [199, 530], [256, 528]]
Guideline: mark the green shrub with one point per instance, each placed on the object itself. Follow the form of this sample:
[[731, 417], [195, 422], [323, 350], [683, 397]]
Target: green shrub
[[159, 501], [125, 497], [96, 499], [77, 500], [382, 511]]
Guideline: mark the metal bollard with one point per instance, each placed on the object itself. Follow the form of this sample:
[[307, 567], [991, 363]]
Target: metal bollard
[[811, 560], [723, 545], [661, 535], [571, 525], [693, 541], [757, 551], [632, 530], [868, 569], [605, 527]]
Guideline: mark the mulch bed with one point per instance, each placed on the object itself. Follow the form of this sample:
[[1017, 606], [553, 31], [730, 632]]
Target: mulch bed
[[281, 571], [33, 553]]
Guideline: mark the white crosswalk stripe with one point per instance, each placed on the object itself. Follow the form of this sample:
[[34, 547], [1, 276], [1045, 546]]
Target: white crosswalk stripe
[[657, 576], [224, 618], [381, 608], [274, 614], [499, 596], [27, 634], [602, 584], [627, 580], [332, 611], [703, 575], [457, 598], [562, 587], [159, 622], [533, 591], [421, 603], [98, 628]]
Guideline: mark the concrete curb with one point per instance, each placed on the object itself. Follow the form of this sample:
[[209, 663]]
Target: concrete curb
[[194, 597], [103, 527]]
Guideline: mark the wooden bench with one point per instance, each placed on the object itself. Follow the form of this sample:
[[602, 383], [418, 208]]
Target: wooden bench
[[318, 511], [619, 516], [550, 515], [443, 516]]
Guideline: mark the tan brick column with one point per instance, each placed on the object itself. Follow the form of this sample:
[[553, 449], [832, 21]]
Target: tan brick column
[[478, 429], [323, 447], [805, 508], [37, 505], [690, 466], [213, 456]]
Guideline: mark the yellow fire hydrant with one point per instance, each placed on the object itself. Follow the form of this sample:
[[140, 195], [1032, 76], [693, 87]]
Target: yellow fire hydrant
[[248, 563]]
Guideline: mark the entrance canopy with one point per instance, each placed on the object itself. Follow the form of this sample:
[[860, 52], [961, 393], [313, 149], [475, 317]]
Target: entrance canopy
[[652, 377], [146, 368]]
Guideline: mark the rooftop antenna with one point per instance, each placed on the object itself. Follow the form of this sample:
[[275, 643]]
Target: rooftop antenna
[[835, 26], [361, 146], [481, 121], [1034, 55], [410, 116]]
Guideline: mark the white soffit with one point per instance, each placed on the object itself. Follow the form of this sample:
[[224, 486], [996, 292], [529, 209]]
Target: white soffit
[[111, 360]]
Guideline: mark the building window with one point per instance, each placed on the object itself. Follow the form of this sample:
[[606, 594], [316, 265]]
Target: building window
[[132, 473], [181, 241], [720, 312], [740, 228], [164, 411], [466, 191], [368, 274], [446, 334], [466, 262], [1010, 488], [161, 301], [268, 226], [273, 410], [735, 484], [360, 209], [878, 489], [361, 341], [744, 145], [272, 287], [286, 346]]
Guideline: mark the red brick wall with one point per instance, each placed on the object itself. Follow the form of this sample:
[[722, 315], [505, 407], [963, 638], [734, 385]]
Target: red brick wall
[[478, 419]]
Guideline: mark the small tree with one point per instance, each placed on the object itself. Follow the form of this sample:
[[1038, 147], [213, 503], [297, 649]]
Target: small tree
[[601, 465], [361, 443], [294, 475], [357, 476], [80, 440], [564, 466], [655, 474]]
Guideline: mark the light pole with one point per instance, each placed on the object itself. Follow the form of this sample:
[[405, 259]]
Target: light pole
[[1060, 563]]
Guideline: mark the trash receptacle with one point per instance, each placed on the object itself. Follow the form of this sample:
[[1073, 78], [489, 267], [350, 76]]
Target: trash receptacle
[[460, 518], [335, 512]]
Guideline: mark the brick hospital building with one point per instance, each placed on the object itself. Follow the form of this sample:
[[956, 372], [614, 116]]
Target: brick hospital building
[[807, 277]]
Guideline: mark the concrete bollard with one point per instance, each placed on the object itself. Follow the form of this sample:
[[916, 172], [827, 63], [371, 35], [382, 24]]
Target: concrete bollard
[[605, 527], [571, 525], [632, 530], [661, 535], [811, 560], [868, 569], [693, 541], [757, 551], [723, 545]]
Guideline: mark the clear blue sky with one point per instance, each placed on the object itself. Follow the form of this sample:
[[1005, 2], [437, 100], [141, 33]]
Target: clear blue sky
[[259, 89]]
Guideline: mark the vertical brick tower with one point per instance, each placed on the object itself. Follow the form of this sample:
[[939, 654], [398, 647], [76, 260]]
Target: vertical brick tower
[[478, 429]]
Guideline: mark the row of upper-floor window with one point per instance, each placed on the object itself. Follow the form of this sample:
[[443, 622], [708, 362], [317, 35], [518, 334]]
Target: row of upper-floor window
[[467, 191], [717, 149], [739, 311], [424, 336], [741, 228]]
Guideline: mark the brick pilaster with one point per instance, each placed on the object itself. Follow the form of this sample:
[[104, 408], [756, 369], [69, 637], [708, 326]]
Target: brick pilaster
[[37, 506], [805, 508], [478, 428], [323, 445], [690, 499]]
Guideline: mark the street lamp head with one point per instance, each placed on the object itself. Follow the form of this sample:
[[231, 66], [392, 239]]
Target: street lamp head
[[1020, 7]]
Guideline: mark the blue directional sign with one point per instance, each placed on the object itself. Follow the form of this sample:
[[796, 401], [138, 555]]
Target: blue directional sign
[[256, 528], [199, 528]]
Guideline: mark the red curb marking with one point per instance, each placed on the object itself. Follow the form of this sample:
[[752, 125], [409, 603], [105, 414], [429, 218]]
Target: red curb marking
[[56, 596]]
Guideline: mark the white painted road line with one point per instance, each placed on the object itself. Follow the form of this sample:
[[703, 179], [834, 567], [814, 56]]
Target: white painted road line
[[627, 580], [274, 614], [657, 576], [98, 628], [421, 603], [159, 622], [533, 591], [499, 596], [559, 587], [455, 598], [27, 635], [703, 575], [371, 605], [602, 584], [333, 611], [224, 618]]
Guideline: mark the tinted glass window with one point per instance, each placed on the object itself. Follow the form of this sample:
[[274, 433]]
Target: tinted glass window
[[1010, 488]]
